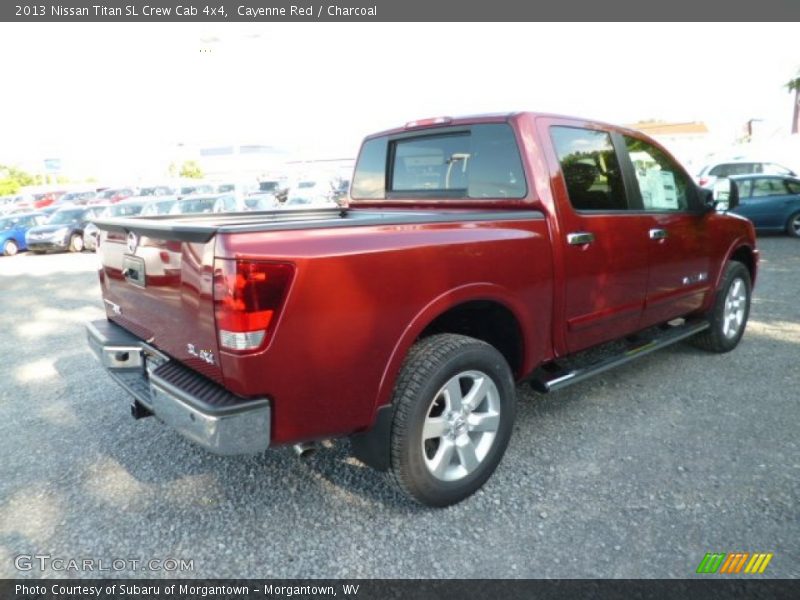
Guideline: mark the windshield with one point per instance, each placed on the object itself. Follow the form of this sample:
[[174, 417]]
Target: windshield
[[63, 217]]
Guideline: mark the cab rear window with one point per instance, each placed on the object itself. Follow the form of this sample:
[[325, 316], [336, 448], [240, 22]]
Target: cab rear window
[[481, 161]]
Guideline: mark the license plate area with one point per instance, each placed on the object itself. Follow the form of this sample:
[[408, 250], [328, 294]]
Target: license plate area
[[133, 270]]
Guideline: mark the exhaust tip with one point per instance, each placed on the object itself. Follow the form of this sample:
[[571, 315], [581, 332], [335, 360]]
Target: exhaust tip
[[304, 449]]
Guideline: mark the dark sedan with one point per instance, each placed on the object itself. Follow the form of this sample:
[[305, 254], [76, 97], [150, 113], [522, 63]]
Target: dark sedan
[[64, 231], [771, 202]]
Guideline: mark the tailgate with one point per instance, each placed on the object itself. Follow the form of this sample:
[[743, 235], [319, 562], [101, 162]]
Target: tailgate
[[161, 290]]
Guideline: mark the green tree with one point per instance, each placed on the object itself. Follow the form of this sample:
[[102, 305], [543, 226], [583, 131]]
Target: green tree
[[11, 179], [191, 170], [793, 85]]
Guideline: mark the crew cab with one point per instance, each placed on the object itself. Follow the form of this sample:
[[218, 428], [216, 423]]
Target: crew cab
[[475, 254]]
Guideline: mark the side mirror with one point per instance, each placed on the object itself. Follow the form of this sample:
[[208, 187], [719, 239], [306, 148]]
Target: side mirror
[[725, 195]]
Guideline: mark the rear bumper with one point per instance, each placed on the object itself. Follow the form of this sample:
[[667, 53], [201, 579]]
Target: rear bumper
[[197, 408]]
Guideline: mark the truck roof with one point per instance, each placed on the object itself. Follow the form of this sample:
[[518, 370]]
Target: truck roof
[[499, 117]]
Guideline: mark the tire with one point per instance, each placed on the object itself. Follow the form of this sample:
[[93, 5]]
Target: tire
[[10, 248], [793, 225], [728, 317], [76, 243], [439, 372]]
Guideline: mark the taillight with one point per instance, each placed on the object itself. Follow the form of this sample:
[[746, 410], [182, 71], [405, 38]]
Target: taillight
[[703, 181], [248, 296]]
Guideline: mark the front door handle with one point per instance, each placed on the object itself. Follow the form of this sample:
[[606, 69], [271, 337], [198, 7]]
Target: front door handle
[[658, 234], [580, 238]]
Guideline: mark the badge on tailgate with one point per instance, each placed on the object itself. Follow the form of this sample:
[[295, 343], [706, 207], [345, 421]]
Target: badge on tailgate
[[133, 270]]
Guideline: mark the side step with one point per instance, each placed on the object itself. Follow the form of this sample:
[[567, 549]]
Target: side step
[[552, 378]]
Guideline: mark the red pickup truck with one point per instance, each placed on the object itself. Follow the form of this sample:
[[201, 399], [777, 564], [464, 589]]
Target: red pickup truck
[[475, 253]]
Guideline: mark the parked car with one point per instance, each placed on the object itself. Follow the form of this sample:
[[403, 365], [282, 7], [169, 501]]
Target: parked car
[[79, 198], [45, 199], [112, 195], [476, 252], [131, 207], [160, 206], [156, 190], [12, 231], [63, 231], [217, 203], [771, 202], [278, 187], [260, 201], [196, 188], [711, 172], [311, 194]]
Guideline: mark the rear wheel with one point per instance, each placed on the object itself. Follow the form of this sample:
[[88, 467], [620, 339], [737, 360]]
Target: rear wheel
[[454, 411], [10, 248], [793, 225], [76, 243], [728, 317]]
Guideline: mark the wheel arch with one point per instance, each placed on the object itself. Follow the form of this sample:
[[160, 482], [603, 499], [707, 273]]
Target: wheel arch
[[451, 312]]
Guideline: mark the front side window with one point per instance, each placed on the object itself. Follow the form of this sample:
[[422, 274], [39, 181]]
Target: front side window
[[745, 188], [662, 183], [590, 168], [792, 186]]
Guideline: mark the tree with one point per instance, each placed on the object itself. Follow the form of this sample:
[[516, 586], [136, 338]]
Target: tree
[[191, 170], [11, 179], [794, 86]]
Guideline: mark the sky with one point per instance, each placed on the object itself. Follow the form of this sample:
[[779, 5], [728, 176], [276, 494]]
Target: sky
[[103, 95]]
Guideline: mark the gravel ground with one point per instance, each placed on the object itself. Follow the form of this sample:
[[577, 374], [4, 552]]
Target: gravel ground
[[637, 473]]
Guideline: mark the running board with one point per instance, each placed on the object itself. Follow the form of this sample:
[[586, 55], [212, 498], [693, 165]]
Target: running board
[[549, 381]]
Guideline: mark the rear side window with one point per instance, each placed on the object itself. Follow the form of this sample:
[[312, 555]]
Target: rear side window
[[590, 168], [768, 187], [480, 162]]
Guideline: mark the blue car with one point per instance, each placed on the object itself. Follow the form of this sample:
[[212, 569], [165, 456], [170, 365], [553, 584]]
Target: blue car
[[771, 202], [13, 229]]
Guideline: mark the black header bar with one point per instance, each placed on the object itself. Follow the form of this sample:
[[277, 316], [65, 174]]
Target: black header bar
[[275, 11]]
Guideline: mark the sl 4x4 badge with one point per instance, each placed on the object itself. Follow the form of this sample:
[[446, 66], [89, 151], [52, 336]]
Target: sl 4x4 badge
[[204, 355]]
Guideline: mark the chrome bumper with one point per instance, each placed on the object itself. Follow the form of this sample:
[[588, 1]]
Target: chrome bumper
[[209, 415]]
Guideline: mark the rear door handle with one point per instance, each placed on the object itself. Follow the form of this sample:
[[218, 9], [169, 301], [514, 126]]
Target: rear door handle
[[579, 238], [658, 234]]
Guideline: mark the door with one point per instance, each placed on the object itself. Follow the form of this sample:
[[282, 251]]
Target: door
[[766, 202], [603, 243], [676, 232]]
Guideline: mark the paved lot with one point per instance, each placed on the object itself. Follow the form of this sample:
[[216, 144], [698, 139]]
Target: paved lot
[[637, 473]]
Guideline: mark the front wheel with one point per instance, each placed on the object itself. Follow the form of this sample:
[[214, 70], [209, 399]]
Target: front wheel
[[728, 316], [454, 412], [10, 248], [793, 225], [76, 243]]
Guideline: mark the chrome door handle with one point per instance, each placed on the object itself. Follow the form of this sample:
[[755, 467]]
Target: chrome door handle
[[658, 234], [580, 238]]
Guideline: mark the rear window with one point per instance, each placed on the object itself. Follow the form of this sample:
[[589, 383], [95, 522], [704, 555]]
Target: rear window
[[480, 162]]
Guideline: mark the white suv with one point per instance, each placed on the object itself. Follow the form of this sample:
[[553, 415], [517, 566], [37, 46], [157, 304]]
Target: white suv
[[711, 172]]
